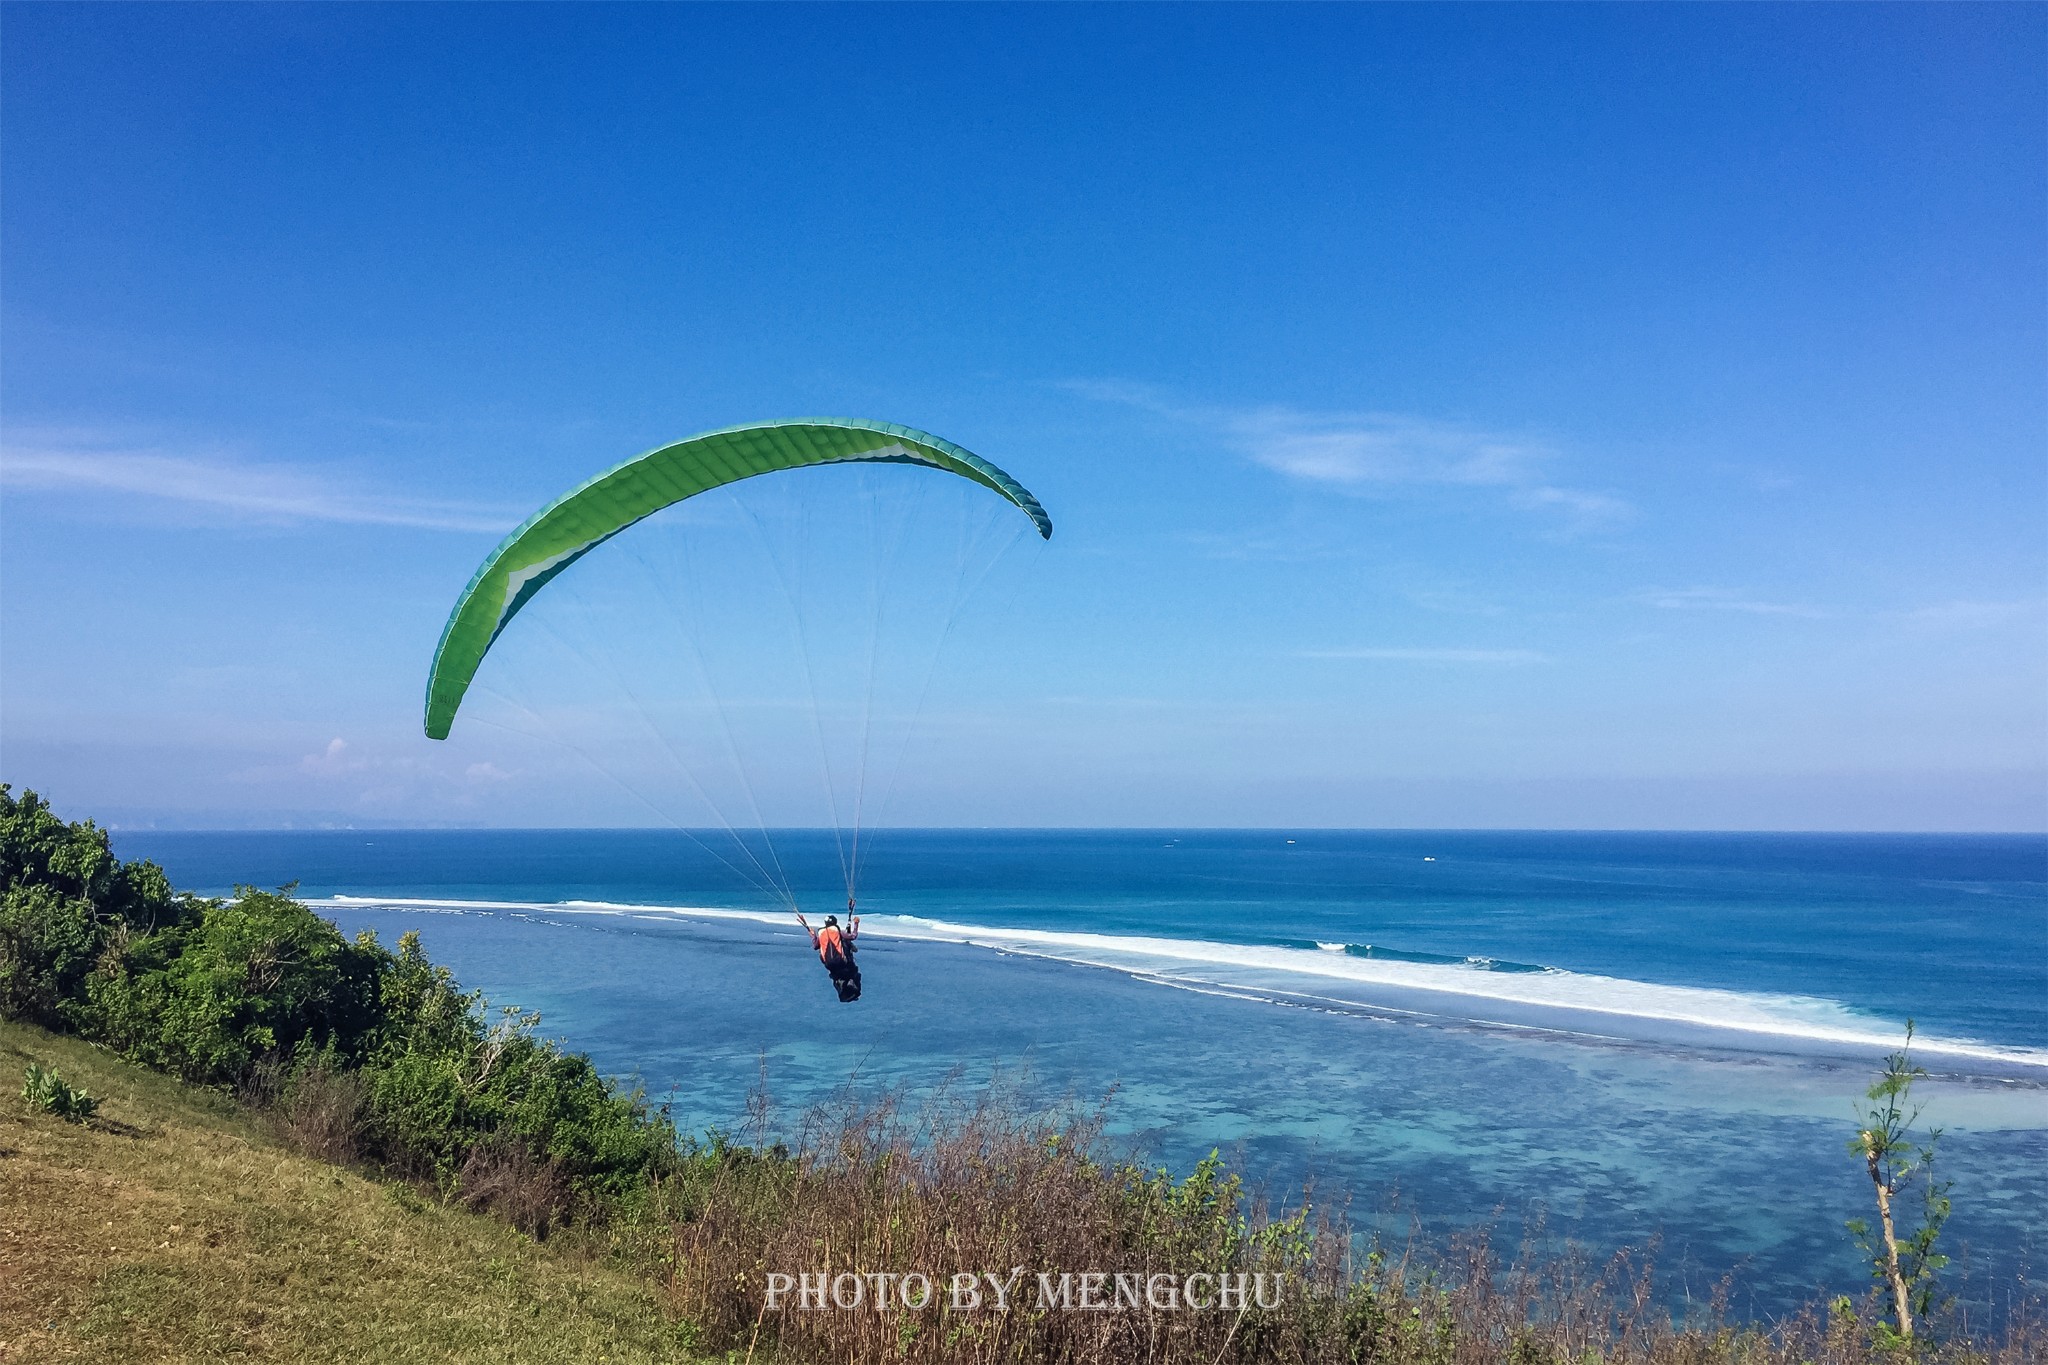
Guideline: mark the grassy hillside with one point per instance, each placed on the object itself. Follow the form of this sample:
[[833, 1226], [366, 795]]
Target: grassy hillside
[[174, 1228]]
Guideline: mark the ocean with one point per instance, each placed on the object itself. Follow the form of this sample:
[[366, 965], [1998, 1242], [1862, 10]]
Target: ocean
[[1650, 1041]]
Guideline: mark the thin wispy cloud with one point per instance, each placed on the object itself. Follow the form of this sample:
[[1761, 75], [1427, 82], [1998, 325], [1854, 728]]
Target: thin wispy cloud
[[1587, 508], [1454, 601], [1970, 615], [1724, 599], [1367, 452], [1379, 448], [259, 493], [1961, 615], [1432, 656]]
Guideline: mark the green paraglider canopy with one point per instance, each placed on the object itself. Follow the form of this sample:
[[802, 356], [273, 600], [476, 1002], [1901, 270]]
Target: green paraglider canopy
[[585, 517]]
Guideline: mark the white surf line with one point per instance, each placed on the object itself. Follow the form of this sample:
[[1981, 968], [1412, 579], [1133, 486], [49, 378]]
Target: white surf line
[[574, 907], [1810, 1019], [1703, 1007]]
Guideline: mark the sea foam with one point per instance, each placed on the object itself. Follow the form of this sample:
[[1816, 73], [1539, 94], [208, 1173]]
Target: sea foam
[[1367, 979]]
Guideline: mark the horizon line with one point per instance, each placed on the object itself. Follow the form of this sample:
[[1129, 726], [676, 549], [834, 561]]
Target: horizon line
[[692, 830]]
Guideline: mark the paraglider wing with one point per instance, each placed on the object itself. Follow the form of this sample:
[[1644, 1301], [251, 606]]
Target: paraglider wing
[[585, 517]]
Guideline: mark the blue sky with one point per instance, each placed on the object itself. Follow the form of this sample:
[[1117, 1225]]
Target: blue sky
[[1490, 416]]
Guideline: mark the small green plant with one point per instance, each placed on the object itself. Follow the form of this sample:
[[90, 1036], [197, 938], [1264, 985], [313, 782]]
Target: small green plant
[[1896, 1160], [49, 1093]]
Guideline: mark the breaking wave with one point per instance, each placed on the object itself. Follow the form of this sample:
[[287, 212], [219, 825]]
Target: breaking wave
[[1374, 980]]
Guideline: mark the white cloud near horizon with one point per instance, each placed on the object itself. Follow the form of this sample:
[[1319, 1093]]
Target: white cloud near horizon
[[1433, 656], [1363, 452], [263, 493], [374, 778]]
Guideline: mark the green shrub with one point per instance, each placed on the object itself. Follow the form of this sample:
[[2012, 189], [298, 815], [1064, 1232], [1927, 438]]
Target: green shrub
[[78, 863], [49, 1093], [258, 977], [421, 1009], [451, 1092], [64, 899], [362, 1053], [47, 944]]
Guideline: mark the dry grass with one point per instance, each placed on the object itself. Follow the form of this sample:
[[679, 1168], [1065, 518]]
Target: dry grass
[[998, 1187], [177, 1228], [990, 1186]]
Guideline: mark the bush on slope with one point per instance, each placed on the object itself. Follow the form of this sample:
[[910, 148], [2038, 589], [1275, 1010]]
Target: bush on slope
[[378, 1056]]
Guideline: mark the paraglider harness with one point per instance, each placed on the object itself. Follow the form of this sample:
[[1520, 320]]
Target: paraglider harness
[[835, 947]]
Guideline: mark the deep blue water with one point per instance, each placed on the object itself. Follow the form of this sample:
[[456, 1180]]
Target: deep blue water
[[1632, 1036]]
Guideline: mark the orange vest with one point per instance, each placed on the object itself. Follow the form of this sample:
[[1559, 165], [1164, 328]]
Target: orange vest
[[831, 944]]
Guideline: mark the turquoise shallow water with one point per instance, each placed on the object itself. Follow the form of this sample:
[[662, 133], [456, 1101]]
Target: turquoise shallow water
[[1627, 1037]]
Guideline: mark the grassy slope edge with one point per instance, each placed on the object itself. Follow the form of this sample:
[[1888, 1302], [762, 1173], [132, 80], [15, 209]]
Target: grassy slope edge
[[176, 1228]]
